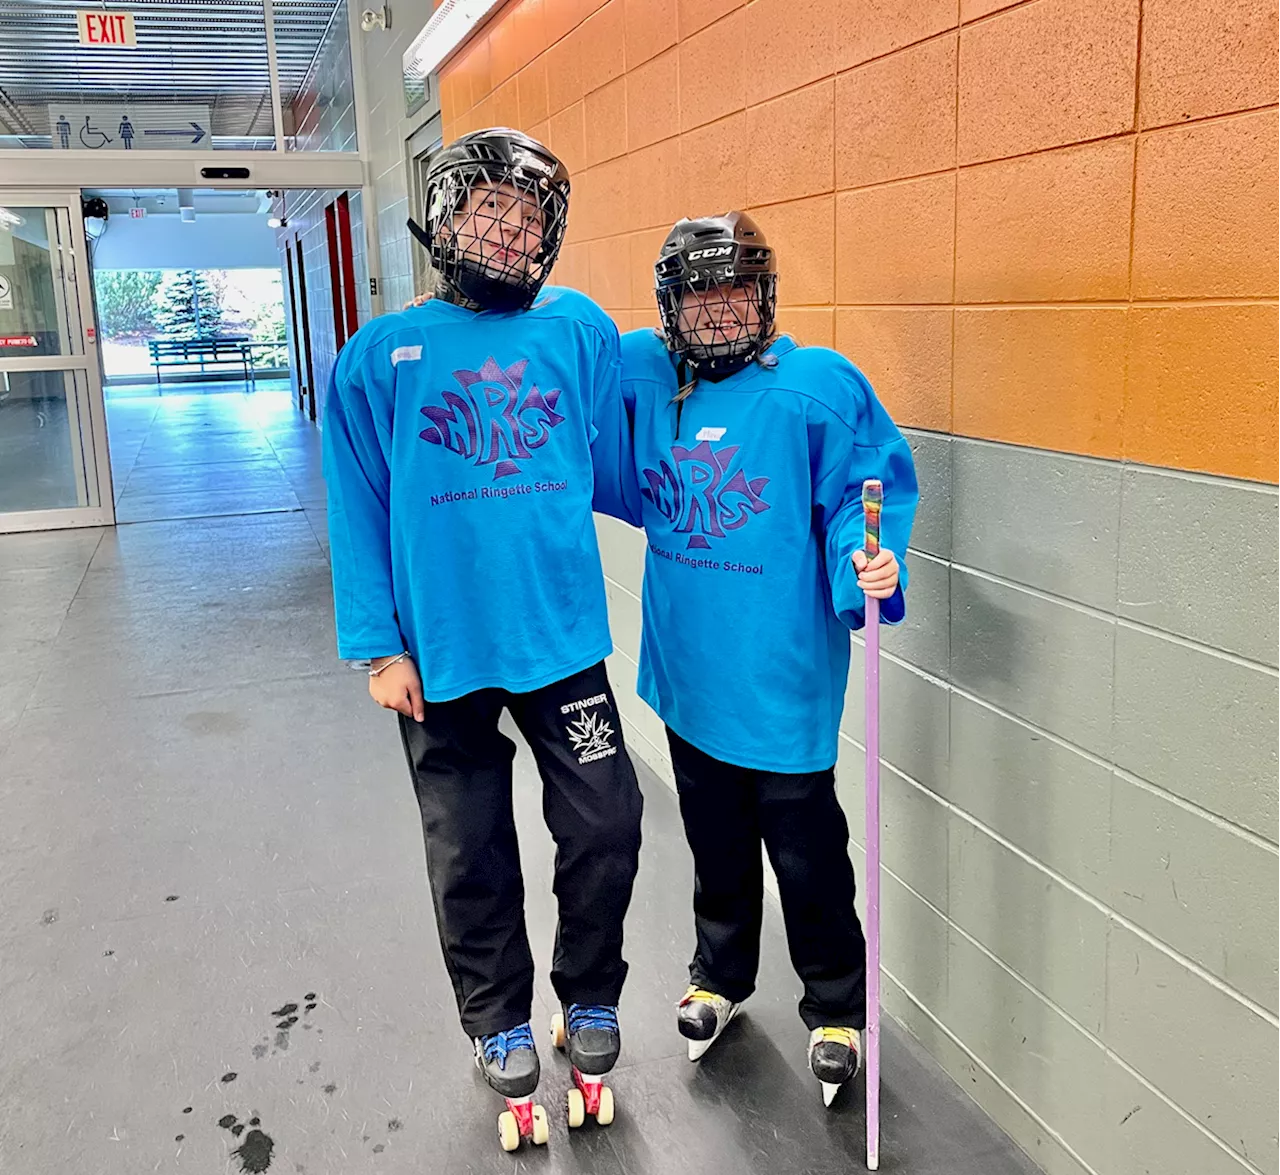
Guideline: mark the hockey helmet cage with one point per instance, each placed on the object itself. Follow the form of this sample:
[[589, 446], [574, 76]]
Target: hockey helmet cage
[[727, 254], [465, 236]]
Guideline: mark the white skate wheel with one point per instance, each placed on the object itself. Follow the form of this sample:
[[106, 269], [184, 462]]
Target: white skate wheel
[[577, 1108], [558, 1039], [508, 1131], [541, 1127], [604, 1115]]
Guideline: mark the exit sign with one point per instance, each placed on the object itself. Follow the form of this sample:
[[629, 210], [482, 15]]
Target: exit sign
[[107, 30], [137, 213]]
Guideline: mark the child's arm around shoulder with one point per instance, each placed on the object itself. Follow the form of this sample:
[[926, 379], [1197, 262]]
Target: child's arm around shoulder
[[853, 439], [616, 491], [648, 375]]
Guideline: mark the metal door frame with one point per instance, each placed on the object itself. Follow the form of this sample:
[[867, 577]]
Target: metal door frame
[[419, 148], [292, 290], [347, 263], [335, 275], [304, 311], [88, 412]]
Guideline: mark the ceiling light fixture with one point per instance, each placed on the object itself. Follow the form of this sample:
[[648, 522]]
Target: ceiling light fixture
[[445, 33], [278, 219]]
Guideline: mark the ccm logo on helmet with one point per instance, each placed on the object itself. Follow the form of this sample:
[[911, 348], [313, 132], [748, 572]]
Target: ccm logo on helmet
[[525, 159], [718, 251]]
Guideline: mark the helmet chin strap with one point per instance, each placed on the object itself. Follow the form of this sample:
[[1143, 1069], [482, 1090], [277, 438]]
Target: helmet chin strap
[[689, 371], [420, 234], [455, 297], [720, 367]]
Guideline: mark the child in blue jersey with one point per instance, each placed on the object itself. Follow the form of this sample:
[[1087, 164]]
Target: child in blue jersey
[[750, 454], [465, 443]]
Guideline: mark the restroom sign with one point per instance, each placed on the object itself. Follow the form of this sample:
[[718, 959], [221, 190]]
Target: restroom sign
[[107, 30], [150, 126]]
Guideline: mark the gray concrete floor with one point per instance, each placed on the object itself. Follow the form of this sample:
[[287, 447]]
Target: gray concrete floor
[[146, 386], [203, 820], [202, 453]]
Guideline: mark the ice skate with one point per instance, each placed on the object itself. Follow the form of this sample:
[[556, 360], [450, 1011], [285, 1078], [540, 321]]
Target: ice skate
[[589, 1034], [834, 1057], [702, 1017], [509, 1062]]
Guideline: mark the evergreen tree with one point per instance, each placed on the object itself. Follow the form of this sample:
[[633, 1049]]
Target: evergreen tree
[[188, 305], [126, 300], [268, 327]]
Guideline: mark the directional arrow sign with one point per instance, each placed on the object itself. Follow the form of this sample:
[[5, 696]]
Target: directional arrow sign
[[153, 126], [195, 128]]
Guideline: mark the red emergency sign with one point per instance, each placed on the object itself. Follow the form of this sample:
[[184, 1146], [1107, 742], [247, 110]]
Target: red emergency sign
[[17, 340], [110, 30]]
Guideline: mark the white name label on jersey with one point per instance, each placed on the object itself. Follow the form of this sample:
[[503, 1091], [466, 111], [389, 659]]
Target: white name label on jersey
[[403, 354], [711, 434]]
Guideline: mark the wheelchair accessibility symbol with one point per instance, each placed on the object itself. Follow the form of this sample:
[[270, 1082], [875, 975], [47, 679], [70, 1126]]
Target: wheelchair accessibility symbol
[[92, 137]]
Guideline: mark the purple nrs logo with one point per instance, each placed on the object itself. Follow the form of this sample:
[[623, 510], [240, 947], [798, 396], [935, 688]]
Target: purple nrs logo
[[489, 421], [706, 495]]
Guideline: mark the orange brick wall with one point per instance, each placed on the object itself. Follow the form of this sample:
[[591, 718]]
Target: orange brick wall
[[1051, 223]]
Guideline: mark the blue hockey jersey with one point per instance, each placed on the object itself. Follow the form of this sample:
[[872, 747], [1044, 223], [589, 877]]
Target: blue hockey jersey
[[752, 510], [463, 452]]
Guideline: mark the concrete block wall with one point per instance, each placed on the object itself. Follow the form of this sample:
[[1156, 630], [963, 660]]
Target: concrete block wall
[[390, 128], [1089, 773], [1045, 229], [307, 225], [322, 117]]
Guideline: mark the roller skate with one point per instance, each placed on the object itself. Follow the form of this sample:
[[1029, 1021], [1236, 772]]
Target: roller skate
[[509, 1062], [834, 1057], [589, 1034], [702, 1016]]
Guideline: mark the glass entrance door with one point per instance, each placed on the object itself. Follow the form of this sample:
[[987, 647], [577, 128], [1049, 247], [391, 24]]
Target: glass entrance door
[[54, 468]]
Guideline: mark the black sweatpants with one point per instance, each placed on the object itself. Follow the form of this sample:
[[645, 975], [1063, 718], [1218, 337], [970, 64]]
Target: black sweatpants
[[727, 812], [461, 769]]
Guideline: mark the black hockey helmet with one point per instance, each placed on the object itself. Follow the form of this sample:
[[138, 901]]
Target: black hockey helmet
[[726, 253], [488, 159]]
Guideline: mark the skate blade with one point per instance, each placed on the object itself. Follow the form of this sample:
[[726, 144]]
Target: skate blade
[[829, 1091], [698, 1048]]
